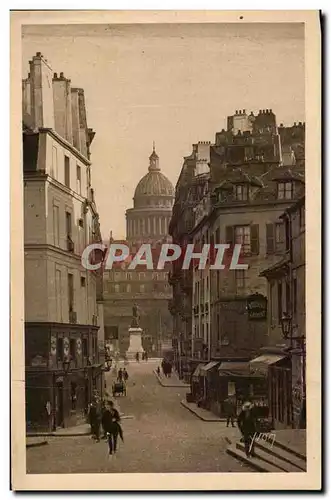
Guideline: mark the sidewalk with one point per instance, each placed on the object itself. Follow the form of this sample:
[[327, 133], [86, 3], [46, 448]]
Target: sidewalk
[[205, 415], [173, 381], [33, 442]]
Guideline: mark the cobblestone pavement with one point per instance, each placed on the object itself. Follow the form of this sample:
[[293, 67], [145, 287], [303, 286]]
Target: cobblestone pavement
[[162, 436]]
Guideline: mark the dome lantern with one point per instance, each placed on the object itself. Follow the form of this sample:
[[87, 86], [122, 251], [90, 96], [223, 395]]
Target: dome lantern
[[154, 161]]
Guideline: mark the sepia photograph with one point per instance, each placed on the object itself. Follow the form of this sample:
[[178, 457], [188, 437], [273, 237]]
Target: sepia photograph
[[161, 171]]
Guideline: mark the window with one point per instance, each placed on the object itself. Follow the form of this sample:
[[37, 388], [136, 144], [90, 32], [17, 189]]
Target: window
[[128, 288], [142, 288], [85, 348], [295, 296], [287, 235], [71, 292], [59, 348], [82, 281], [79, 174], [280, 301], [302, 216], [288, 297], [56, 225], [54, 171], [243, 236], [142, 276], [117, 288], [68, 223], [129, 276], [72, 349], [67, 171], [241, 192], [88, 177], [279, 237], [241, 279], [58, 295], [285, 190]]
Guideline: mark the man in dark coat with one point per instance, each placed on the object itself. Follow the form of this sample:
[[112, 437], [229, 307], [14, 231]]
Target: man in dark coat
[[95, 417], [111, 424], [125, 375], [247, 426], [230, 410], [120, 375]]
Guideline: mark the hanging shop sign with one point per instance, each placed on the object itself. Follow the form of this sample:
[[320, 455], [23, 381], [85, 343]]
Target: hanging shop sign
[[79, 347], [257, 306], [53, 345], [66, 346]]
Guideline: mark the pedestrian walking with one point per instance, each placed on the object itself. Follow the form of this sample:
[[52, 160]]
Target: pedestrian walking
[[230, 410], [111, 423], [146, 356], [120, 375], [95, 417], [247, 426], [125, 375], [158, 371], [137, 357]]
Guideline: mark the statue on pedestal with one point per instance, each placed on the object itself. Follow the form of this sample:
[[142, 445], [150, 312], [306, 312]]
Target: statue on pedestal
[[135, 317]]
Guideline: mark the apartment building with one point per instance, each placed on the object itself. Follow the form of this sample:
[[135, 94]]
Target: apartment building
[[63, 318]]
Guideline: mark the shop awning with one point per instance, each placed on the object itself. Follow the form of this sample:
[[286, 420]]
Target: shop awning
[[197, 371], [208, 366], [235, 369], [261, 363]]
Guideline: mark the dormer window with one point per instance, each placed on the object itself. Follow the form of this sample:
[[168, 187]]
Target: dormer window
[[285, 190], [241, 192]]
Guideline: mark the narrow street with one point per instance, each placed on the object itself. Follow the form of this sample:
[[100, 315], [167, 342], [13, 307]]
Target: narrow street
[[161, 436]]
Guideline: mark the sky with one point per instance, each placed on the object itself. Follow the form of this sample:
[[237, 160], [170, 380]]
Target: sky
[[174, 84]]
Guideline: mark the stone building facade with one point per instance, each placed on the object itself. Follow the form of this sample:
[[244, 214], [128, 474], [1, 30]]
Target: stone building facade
[[245, 187], [63, 301], [287, 296], [146, 222], [189, 190]]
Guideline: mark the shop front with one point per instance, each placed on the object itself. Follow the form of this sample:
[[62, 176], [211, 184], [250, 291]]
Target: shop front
[[209, 376], [236, 380], [277, 371]]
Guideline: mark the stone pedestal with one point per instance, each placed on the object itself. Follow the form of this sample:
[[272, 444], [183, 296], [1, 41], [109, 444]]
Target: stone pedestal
[[135, 342]]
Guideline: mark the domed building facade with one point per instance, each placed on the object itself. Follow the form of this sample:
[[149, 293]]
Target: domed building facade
[[146, 222]]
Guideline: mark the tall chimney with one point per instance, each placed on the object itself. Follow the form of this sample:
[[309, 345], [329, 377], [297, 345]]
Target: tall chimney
[[42, 111], [62, 107]]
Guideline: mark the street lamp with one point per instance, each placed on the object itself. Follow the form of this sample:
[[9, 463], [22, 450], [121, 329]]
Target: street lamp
[[286, 325]]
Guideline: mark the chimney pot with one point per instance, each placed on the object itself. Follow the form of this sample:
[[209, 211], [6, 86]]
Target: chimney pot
[[55, 75], [38, 54], [295, 124], [61, 74], [240, 111], [244, 111], [300, 123], [282, 125], [260, 111]]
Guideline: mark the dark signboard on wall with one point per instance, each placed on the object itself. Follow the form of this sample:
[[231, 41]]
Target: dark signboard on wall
[[257, 306]]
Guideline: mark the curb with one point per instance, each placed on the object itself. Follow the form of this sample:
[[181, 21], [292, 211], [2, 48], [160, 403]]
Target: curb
[[35, 445], [182, 386], [69, 434], [183, 403], [54, 434]]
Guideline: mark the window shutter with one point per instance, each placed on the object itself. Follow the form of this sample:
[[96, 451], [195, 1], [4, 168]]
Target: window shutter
[[270, 237], [255, 242], [229, 235]]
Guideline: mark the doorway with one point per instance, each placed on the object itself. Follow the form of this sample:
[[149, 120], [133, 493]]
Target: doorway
[[59, 405]]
